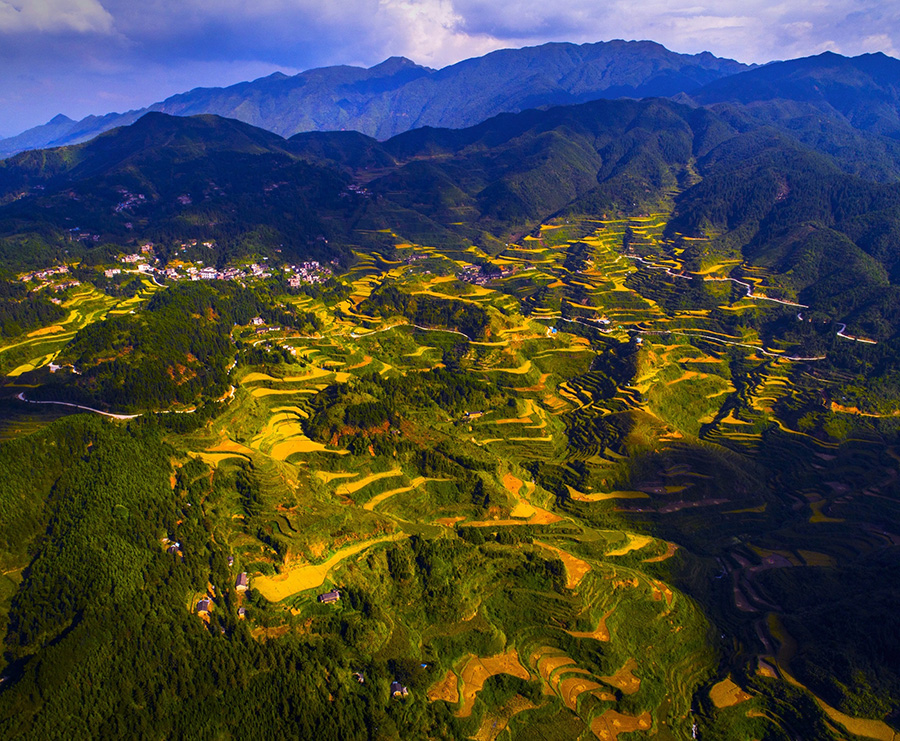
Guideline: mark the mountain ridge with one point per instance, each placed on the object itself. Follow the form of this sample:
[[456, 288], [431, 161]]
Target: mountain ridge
[[398, 94]]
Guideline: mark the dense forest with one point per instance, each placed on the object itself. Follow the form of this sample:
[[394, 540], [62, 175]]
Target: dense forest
[[99, 577], [177, 351], [21, 312], [473, 321]]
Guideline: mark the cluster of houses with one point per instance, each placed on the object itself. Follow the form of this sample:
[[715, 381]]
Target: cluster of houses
[[80, 236], [481, 275], [242, 583], [309, 272], [129, 200], [398, 689], [51, 277], [359, 190], [205, 605]]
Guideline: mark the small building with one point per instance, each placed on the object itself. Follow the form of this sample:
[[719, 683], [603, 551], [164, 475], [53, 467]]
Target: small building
[[242, 583], [398, 690], [242, 613], [328, 597], [204, 606]]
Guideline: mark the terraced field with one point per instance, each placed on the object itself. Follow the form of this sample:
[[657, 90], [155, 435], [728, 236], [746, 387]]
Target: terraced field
[[586, 532]]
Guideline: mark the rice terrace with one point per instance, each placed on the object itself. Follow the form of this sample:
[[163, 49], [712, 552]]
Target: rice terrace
[[600, 480]]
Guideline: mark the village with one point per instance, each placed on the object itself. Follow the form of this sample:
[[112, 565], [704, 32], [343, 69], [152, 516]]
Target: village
[[146, 263]]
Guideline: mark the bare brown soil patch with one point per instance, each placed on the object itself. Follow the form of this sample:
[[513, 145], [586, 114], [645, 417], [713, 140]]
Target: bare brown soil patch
[[624, 679], [279, 631], [513, 484], [446, 689], [543, 517], [608, 726]]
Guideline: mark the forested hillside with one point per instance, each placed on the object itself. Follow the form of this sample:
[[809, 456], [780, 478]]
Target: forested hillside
[[578, 423]]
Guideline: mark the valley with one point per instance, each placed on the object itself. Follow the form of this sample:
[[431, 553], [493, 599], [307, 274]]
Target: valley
[[598, 510]]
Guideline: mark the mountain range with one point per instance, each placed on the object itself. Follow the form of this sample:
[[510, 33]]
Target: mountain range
[[398, 95]]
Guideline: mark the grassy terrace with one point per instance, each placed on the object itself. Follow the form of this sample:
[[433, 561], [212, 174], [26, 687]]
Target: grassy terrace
[[598, 565]]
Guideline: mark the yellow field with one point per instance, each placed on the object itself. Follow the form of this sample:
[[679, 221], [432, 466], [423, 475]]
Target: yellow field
[[354, 486], [521, 370], [229, 446], [634, 543], [260, 392], [214, 459], [787, 647], [47, 330], [624, 678], [277, 588], [300, 444], [446, 689], [18, 371], [419, 351], [726, 693], [379, 498], [326, 476], [576, 569], [571, 688], [602, 496], [477, 671], [522, 509], [817, 515]]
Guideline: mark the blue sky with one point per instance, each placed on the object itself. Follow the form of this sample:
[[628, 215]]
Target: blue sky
[[79, 57]]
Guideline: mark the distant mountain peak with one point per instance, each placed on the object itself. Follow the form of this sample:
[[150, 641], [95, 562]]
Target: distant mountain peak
[[392, 65], [397, 94], [59, 119]]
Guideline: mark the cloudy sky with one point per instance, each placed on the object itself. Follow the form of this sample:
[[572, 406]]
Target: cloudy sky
[[80, 57]]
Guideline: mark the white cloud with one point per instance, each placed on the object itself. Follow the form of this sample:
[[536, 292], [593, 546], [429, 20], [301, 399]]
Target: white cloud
[[54, 16]]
